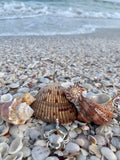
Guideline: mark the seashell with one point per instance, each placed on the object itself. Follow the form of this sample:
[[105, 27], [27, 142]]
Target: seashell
[[83, 142], [4, 128], [3, 149], [81, 157], [40, 152], [15, 131], [26, 151], [101, 98], [72, 148], [74, 94], [40, 143], [26, 97], [118, 154], [4, 139], [92, 139], [108, 153], [90, 111], [15, 146], [112, 148], [100, 140], [1, 121], [94, 158], [115, 141], [6, 98], [116, 101], [72, 134], [51, 104], [14, 85], [93, 148], [84, 152], [59, 153], [52, 158], [17, 156], [15, 112], [34, 133]]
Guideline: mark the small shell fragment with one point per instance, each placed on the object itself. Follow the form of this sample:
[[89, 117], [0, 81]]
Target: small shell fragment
[[108, 153]]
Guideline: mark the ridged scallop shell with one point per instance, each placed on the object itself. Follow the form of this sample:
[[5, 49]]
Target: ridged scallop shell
[[90, 111], [15, 112], [74, 94], [51, 104]]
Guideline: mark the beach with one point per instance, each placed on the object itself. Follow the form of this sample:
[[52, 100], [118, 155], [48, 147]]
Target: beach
[[90, 60]]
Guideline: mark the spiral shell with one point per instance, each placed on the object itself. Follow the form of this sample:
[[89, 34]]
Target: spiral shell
[[51, 104], [90, 111], [74, 94], [15, 112]]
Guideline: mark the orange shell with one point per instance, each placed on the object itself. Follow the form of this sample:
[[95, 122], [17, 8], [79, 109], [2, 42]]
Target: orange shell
[[90, 111], [51, 103]]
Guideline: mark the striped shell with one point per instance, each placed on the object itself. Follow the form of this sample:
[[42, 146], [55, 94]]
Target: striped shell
[[90, 111], [51, 103]]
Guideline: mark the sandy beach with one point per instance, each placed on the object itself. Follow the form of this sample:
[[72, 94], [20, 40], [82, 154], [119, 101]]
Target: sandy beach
[[91, 60]]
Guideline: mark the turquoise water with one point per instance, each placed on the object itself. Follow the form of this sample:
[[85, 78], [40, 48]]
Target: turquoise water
[[51, 17]]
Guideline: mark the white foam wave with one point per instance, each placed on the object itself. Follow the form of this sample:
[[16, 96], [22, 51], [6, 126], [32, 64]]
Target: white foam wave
[[15, 10]]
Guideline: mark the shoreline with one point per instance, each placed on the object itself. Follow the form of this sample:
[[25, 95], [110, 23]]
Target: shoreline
[[98, 33]]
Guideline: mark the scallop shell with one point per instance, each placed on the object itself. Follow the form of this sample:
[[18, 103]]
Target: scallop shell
[[16, 145], [51, 104], [74, 94], [15, 112], [93, 148], [90, 111], [72, 148]]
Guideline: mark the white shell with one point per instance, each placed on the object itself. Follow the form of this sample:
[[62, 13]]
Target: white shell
[[17, 156], [83, 142], [40, 152], [15, 132], [4, 139], [3, 149], [100, 140], [118, 155], [52, 158], [16, 145], [94, 158], [108, 153], [1, 121], [72, 148], [4, 128], [81, 157], [40, 143], [93, 148], [34, 133], [72, 134], [6, 98], [26, 151], [59, 153], [116, 142], [55, 138]]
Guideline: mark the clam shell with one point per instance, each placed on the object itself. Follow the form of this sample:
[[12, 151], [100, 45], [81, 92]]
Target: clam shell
[[52, 158], [17, 156], [16, 145], [108, 153], [4, 128], [51, 104], [93, 148], [100, 140], [6, 98], [26, 151], [3, 149], [90, 111], [15, 132], [72, 148], [40, 152]]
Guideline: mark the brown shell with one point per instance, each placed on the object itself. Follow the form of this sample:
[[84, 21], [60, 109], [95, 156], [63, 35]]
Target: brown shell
[[74, 94], [90, 111], [51, 103]]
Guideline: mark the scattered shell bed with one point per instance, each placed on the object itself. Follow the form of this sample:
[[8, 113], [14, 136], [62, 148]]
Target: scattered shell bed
[[28, 63]]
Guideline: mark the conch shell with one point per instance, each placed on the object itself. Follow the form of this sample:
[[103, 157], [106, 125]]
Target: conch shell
[[16, 111]]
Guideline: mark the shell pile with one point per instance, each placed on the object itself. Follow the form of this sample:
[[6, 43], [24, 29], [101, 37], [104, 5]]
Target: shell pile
[[51, 104], [90, 111]]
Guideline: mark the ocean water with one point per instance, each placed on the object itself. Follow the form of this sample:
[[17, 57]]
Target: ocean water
[[52, 17]]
